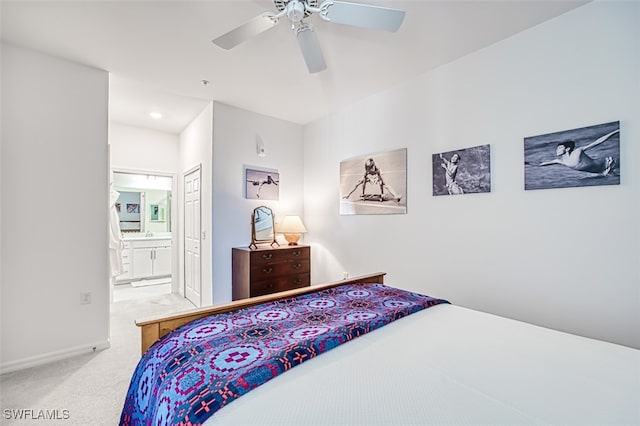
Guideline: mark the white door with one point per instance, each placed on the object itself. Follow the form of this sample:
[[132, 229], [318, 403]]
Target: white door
[[192, 281]]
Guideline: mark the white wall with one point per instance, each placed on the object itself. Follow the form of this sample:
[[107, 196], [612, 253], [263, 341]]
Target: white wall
[[568, 259], [54, 143], [196, 142], [236, 133], [136, 148]]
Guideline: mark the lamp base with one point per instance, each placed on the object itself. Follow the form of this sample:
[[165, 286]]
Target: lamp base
[[292, 239]]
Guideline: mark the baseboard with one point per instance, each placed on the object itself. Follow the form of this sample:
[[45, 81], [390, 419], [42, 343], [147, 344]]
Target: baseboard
[[37, 360]]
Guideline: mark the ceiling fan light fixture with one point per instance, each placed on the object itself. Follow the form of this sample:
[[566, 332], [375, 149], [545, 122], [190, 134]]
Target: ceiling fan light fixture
[[295, 10]]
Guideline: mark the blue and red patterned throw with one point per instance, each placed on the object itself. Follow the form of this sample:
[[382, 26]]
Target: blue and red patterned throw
[[192, 372]]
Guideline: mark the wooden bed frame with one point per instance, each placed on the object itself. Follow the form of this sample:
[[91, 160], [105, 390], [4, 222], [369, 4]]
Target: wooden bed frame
[[151, 329]]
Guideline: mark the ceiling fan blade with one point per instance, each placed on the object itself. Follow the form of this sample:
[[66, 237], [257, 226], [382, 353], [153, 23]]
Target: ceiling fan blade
[[362, 15], [246, 31], [310, 47]]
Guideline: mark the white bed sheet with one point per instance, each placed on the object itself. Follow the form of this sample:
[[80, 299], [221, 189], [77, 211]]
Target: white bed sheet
[[449, 365]]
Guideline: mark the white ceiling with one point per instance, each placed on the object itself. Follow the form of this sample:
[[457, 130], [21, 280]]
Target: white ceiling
[[158, 52]]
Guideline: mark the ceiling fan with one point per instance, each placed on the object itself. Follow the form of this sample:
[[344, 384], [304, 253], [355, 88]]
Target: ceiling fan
[[355, 14]]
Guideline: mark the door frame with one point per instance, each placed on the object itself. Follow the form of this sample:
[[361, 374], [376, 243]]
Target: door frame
[[175, 282]]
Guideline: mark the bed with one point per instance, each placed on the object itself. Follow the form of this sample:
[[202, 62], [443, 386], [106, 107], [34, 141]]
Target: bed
[[440, 364]]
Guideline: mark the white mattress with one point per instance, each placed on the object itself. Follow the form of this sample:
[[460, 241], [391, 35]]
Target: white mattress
[[449, 365]]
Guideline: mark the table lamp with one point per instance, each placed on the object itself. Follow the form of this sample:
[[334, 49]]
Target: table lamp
[[292, 228]]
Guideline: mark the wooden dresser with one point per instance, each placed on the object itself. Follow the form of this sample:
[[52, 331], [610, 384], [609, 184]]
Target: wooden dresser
[[269, 270]]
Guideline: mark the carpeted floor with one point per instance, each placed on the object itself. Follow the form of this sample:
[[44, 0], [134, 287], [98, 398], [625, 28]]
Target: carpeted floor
[[91, 387]]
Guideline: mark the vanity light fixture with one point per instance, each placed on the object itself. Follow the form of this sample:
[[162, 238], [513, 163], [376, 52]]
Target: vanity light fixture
[[155, 115], [292, 228]]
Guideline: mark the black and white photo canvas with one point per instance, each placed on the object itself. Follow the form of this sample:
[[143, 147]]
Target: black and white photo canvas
[[374, 183], [586, 156], [463, 171], [261, 184]]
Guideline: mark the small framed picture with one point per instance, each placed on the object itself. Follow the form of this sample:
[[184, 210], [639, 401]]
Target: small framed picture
[[261, 184], [463, 171], [156, 213]]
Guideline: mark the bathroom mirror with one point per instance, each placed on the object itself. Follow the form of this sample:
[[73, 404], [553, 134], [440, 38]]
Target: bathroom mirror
[[262, 227], [144, 203]]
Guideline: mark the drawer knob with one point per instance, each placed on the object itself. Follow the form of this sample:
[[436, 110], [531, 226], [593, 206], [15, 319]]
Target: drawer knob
[[297, 266], [267, 256], [296, 252], [298, 281], [267, 270]]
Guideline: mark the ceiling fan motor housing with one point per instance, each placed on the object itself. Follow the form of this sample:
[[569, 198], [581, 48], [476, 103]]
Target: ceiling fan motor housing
[[296, 9]]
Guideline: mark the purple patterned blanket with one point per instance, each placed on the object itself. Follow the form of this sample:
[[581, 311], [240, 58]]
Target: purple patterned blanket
[[192, 372]]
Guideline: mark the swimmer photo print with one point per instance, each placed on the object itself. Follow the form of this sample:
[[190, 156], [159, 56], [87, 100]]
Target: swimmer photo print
[[261, 184], [463, 171], [586, 156]]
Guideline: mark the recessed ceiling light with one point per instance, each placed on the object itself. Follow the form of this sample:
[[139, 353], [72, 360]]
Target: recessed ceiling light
[[155, 115]]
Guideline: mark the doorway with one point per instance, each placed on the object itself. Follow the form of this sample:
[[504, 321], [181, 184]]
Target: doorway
[[145, 211]]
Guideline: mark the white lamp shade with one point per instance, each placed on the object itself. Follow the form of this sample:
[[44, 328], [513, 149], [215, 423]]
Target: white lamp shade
[[292, 225]]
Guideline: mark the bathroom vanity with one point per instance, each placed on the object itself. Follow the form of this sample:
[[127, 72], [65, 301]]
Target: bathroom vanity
[[145, 258]]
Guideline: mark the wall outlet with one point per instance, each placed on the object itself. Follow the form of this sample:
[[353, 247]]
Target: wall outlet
[[345, 275], [85, 298]]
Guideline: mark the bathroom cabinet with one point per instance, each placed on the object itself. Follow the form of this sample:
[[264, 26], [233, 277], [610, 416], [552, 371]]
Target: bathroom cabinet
[[126, 263], [145, 258], [150, 258]]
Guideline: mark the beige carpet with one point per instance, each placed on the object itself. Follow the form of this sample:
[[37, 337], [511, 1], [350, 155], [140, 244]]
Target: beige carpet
[[91, 387]]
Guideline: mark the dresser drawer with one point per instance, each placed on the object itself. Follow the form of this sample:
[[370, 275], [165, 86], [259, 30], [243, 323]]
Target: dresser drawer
[[289, 282], [276, 269], [279, 255]]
